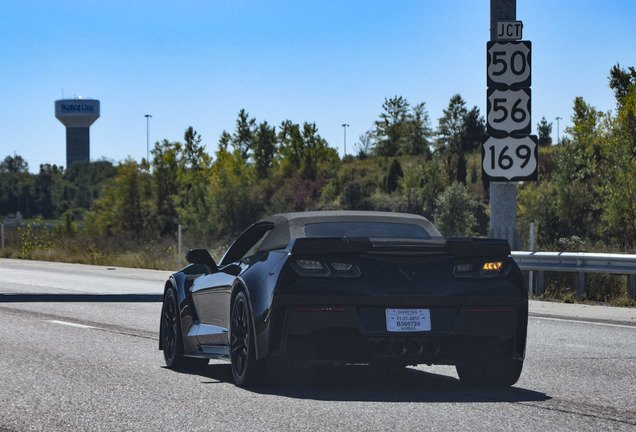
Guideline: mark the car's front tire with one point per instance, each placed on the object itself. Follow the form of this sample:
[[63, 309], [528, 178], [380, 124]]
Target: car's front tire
[[492, 374], [246, 369], [171, 338]]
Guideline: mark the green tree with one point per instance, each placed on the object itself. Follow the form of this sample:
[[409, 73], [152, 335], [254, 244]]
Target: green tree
[[264, 149], [392, 178], [193, 178], [474, 131], [304, 152], [290, 147], [82, 183], [243, 138], [617, 161], [126, 204], [318, 160], [419, 132], [577, 172], [14, 165], [17, 193], [391, 129], [365, 144], [422, 185], [231, 183], [47, 192], [544, 132], [623, 82], [455, 212], [166, 174], [451, 128]]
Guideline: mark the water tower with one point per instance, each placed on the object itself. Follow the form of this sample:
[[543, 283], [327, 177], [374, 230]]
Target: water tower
[[77, 115]]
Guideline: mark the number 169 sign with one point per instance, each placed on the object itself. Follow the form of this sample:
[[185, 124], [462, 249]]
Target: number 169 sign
[[509, 159]]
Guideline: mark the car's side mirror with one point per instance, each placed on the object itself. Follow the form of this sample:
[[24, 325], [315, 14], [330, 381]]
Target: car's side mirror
[[202, 256]]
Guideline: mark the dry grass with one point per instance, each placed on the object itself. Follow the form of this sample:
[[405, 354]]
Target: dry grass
[[36, 243]]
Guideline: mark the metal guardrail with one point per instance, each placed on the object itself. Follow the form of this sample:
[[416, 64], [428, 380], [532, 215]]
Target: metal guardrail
[[576, 262]]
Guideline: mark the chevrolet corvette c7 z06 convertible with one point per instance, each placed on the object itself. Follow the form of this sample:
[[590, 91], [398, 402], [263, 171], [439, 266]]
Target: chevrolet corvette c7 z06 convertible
[[349, 287]]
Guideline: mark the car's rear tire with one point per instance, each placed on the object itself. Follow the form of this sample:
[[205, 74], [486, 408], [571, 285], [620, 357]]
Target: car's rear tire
[[492, 374], [246, 369], [171, 338]]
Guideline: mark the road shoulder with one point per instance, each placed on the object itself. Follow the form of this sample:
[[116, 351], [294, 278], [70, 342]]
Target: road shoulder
[[583, 312]]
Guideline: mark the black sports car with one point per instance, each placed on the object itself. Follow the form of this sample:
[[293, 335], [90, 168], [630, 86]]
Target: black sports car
[[340, 287]]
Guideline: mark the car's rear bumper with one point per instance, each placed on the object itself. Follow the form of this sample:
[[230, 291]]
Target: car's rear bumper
[[491, 330]]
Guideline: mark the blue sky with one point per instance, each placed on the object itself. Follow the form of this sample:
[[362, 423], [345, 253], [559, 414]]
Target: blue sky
[[197, 63]]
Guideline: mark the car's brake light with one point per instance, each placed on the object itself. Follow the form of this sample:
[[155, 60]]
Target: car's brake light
[[315, 268], [310, 265], [310, 268], [341, 266]]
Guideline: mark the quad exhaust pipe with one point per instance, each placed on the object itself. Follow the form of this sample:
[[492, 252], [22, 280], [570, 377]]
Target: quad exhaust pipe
[[404, 347]]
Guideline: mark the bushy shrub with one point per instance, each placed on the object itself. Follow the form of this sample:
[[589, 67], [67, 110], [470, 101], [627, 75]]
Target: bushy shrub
[[455, 212]]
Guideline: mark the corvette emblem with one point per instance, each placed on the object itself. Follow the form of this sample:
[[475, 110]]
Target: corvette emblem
[[408, 272]]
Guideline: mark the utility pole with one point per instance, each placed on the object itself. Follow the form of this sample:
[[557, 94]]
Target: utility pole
[[558, 137], [345, 126], [503, 195]]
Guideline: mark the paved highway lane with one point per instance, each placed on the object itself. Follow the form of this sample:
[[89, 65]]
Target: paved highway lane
[[78, 351]]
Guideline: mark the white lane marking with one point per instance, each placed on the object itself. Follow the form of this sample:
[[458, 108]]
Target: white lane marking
[[584, 322], [70, 324]]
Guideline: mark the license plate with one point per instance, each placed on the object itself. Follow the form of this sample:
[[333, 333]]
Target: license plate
[[408, 320]]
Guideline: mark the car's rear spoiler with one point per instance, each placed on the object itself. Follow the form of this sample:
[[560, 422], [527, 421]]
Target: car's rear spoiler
[[459, 247]]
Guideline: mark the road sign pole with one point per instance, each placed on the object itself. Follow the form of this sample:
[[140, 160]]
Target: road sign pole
[[503, 196], [501, 10]]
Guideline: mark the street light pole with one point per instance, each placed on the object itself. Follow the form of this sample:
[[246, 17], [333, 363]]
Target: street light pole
[[558, 138], [345, 126], [148, 137]]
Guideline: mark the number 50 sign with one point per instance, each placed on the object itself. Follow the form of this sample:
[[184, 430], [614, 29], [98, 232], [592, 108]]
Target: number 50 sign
[[508, 64], [509, 159]]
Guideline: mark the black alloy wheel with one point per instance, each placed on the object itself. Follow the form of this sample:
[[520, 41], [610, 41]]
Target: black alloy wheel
[[171, 338], [246, 370]]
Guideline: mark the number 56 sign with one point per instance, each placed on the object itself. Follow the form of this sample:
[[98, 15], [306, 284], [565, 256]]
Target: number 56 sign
[[509, 159]]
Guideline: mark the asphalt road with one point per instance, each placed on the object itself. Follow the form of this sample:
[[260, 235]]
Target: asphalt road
[[78, 351]]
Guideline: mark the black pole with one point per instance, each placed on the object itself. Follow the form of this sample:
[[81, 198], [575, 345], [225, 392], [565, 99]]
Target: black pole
[[501, 10]]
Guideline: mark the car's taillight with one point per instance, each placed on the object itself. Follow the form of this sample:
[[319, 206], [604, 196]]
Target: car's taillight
[[314, 268], [310, 268], [493, 268], [484, 269], [337, 266]]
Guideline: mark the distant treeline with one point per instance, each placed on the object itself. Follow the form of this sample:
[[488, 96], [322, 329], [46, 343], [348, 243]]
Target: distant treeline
[[585, 197]]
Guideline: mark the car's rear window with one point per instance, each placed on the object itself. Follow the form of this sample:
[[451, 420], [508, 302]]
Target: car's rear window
[[366, 229]]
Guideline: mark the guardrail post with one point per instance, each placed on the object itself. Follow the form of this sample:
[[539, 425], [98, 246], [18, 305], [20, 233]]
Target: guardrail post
[[631, 287], [540, 284], [580, 286]]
